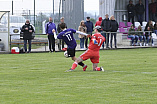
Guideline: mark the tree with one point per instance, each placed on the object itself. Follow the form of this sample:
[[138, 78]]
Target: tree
[[93, 20]]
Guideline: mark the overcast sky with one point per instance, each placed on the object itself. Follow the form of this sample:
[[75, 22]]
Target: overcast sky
[[91, 6]]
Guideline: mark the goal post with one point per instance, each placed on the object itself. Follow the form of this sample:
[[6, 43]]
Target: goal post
[[4, 31]]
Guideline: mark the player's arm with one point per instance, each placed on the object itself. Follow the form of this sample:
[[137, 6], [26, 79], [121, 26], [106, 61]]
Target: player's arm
[[79, 32]]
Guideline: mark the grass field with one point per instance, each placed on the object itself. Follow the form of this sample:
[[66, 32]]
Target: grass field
[[130, 77]]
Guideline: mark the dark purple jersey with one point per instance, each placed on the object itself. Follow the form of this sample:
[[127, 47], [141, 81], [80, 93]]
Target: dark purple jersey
[[67, 36]]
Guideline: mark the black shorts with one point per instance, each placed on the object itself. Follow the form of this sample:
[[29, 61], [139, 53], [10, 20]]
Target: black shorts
[[71, 52]]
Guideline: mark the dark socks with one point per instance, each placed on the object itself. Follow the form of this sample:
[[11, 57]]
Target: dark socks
[[81, 64]]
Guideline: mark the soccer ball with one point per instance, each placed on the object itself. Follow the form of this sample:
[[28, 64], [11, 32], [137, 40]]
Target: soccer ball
[[66, 54]]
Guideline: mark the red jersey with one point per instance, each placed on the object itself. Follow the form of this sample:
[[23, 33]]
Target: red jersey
[[99, 38]]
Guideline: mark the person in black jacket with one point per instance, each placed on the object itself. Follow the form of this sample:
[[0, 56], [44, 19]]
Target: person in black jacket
[[89, 26], [148, 34], [59, 30], [131, 11], [139, 11], [106, 26], [27, 30], [114, 28]]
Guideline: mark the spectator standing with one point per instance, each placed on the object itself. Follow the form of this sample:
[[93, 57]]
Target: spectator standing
[[49, 29], [131, 34], [89, 26], [140, 11], [139, 33], [98, 23], [106, 26], [83, 29], [114, 25], [131, 11], [152, 10], [59, 30], [155, 28], [27, 30]]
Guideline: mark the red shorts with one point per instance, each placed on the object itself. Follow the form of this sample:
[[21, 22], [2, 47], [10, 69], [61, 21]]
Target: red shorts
[[92, 55]]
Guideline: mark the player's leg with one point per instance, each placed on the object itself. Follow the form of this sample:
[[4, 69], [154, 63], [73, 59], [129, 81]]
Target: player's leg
[[95, 61], [72, 53], [96, 68], [29, 41], [62, 43], [79, 60], [75, 64], [49, 38], [73, 58], [25, 45], [53, 43]]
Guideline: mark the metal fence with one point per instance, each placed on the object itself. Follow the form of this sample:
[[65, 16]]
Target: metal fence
[[40, 41]]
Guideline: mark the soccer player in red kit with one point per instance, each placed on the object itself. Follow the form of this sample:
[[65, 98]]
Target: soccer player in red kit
[[93, 51]]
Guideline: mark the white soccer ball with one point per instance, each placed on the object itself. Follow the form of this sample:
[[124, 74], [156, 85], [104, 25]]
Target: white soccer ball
[[66, 54]]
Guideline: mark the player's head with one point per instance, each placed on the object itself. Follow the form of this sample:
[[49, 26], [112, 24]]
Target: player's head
[[62, 26], [27, 21], [132, 26], [106, 16], [153, 1], [88, 18], [50, 19], [82, 23], [140, 1], [130, 2], [62, 19], [112, 18], [97, 29]]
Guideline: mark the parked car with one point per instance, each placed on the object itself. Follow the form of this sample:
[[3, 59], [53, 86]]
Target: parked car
[[16, 22]]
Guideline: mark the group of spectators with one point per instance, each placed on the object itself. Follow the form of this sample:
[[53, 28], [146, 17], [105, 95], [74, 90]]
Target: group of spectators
[[107, 25], [145, 36], [28, 30], [139, 9]]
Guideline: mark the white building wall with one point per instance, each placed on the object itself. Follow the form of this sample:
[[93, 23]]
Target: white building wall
[[106, 7]]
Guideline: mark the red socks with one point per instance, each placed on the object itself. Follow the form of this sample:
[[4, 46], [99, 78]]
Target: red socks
[[97, 69], [74, 65]]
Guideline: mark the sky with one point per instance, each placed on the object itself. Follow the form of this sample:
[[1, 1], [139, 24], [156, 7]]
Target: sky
[[90, 6]]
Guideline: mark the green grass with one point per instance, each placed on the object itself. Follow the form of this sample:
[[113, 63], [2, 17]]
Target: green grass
[[130, 77]]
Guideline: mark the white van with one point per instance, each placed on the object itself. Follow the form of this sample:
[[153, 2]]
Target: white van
[[16, 23]]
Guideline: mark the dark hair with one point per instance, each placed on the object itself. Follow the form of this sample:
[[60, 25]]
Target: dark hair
[[62, 25], [88, 17], [99, 30]]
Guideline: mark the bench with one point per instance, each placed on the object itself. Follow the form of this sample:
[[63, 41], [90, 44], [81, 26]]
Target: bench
[[33, 42]]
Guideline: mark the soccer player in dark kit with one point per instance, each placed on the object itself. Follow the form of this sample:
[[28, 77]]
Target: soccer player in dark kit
[[67, 36]]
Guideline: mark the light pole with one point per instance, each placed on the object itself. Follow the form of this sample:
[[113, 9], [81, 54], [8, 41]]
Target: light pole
[[59, 9], [12, 7], [53, 11], [34, 12]]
